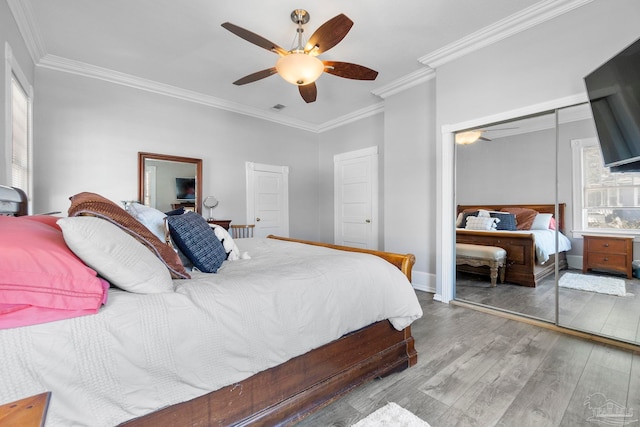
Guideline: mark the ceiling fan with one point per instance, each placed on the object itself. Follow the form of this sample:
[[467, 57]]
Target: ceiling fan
[[473, 135], [299, 66]]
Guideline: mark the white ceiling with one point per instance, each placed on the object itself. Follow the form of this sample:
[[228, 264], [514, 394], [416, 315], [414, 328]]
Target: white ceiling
[[179, 47]]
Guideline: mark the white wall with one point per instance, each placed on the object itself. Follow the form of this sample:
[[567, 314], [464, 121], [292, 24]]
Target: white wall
[[88, 133], [510, 170], [9, 34], [544, 63], [410, 179]]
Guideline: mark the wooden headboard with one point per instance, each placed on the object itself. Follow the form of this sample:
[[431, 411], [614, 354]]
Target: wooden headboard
[[542, 208], [13, 201]]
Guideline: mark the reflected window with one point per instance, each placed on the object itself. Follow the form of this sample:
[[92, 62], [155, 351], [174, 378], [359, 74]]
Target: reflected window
[[610, 200]]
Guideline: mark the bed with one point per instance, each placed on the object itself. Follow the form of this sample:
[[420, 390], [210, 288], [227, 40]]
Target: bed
[[266, 340], [531, 254]]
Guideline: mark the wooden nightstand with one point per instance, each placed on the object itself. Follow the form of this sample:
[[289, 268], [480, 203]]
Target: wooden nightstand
[[611, 253], [221, 222]]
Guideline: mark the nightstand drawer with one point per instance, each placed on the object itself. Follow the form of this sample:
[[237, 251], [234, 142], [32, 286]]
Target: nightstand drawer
[[607, 245], [610, 253], [607, 261]]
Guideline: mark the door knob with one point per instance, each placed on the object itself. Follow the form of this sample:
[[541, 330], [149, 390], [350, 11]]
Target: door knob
[[368, 221], [257, 219]]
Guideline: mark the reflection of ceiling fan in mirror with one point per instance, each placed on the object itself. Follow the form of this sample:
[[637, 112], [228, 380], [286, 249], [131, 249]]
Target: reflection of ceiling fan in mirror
[[470, 136], [210, 202], [300, 65]]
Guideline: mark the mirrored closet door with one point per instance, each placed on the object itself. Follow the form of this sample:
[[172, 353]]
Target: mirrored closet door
[[598, 293], [577, 271], [506, 172]]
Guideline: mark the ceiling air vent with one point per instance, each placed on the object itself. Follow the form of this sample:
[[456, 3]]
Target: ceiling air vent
[[278, 107]]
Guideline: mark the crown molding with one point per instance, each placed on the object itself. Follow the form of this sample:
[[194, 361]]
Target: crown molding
[[371, 110], [23, 15], [57, 63], [514, 24], [406, 82]]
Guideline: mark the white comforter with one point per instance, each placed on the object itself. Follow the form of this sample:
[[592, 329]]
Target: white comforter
[[143, 352]]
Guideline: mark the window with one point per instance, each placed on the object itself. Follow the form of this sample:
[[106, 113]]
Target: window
[[18, 142], [20, 164], [603, 200]]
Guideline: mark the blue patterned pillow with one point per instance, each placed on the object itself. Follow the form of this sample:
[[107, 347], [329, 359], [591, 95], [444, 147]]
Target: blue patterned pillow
[[197, 241], [507, 220]]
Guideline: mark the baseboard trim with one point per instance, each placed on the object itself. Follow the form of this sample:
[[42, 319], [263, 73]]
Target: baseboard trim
[[556, 328], [423, 281]]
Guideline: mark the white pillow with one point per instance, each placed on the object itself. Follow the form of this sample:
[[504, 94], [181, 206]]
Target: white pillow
[[150, 217], [481, 223], [115, 255], [541, 221], [459, 219], [230, 247]]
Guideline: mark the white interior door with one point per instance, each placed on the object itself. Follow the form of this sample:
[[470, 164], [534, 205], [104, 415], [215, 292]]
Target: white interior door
[[356, 198], [268, 199]]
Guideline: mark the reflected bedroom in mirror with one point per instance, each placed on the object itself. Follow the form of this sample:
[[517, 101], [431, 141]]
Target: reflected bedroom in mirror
[[506, 216], [167, 182], [569, 262]]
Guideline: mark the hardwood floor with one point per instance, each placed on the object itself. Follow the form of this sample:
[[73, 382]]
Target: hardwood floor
[[477, 369], [608, 315]]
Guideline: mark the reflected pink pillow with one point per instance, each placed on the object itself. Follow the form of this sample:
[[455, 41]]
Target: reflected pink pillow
[[37, 269]]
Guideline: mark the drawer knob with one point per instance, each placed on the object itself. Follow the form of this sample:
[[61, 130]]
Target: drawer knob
[[606, 245], [606, 259]]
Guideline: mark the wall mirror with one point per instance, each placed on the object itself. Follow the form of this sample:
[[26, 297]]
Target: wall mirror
[[168, 182]]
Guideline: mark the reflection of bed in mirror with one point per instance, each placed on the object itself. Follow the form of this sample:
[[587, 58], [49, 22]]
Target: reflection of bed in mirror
[[529, 260]]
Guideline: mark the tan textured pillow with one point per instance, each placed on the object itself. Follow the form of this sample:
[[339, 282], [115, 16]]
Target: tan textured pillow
[[92, 204], [524, 217]]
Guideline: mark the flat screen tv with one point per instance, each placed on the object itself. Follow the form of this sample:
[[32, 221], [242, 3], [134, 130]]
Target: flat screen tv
[[614, 95], [185, 188]]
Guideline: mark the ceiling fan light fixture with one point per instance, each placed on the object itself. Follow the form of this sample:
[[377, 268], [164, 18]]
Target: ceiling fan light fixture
[[299, 69], [468, 137]]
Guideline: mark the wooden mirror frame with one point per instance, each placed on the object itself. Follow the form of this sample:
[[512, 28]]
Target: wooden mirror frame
[[142, 157]]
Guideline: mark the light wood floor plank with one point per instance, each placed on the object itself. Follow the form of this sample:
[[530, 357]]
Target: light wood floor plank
[[488, 399], [605, 376], [478, 369], [544, 399]]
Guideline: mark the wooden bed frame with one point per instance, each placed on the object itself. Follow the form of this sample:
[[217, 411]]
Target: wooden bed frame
[[522, 268], [285, 394]]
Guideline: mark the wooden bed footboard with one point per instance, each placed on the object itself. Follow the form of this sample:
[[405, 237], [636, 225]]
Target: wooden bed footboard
[[521, 268], [287, 393], [404, 262], [521, 255]]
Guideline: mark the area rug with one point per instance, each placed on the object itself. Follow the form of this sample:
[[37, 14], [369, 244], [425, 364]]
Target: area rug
[[599, 284], [391, 415]]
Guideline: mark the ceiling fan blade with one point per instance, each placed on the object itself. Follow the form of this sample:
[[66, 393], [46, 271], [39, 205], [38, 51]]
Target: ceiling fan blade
[[254, 38], [484, 139], [328, 35], [308, 92], [349, 70], [256, 76]]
